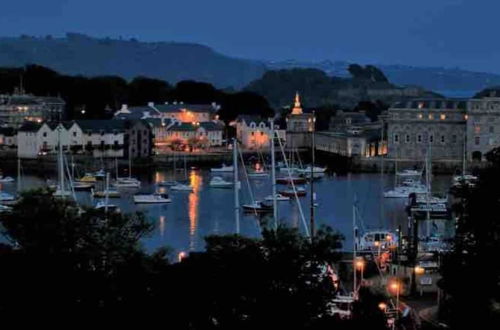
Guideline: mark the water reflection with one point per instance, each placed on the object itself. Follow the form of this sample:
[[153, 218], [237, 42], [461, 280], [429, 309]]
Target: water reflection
[[195, 181], [162, 226]]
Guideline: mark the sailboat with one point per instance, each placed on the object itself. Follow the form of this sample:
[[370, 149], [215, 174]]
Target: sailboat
[[61, 191], [6, 179], [105, 205], [181, 186], [128, 182], [222, 169], [155, 198], [80, 185]]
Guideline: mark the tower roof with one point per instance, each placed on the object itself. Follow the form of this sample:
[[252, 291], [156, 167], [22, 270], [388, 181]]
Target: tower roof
[[297, 107]]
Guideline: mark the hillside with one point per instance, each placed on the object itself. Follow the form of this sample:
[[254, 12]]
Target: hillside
[[80, 54], [431, 78], [364, 84]]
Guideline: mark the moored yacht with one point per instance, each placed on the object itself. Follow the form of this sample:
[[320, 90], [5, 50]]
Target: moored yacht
[[6, 179], [6, 197], [218, 182], [279, 197], [222, 169], [156, 198], [258, 207], [181, 187], [102, 205], [111, 193], [127, 183], [299, 191]]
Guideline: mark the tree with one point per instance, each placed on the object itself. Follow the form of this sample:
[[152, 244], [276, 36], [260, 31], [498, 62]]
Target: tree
[[470, 274]]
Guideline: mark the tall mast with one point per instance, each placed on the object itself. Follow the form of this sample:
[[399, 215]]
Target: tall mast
[[354, 245], [464, 154], [236, 186], [312, 176], [129, 161], [61, 165], [381, 148], [18, 175], [273, 176]]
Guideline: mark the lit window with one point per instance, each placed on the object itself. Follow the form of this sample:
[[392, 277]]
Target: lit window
[[420, 116], [442, 116], [466, 117], [477, 129], [431, 116]]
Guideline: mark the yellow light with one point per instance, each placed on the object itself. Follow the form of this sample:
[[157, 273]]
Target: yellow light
[[360, 264], [388, 238], [466, 117], [376, 243], [419, 270], [394, 286], [382, 306], [181, 255], [443, 116]]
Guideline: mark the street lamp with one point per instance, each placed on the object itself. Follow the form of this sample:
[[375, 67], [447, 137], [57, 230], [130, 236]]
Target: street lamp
[[181, 256], [419, 270], [395, 287], [382, 306], [360, 266]]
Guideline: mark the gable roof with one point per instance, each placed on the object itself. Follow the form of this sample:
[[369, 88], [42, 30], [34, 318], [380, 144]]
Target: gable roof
[[30, 126]]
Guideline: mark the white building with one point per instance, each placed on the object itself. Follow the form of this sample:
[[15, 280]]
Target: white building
[[254, 132]]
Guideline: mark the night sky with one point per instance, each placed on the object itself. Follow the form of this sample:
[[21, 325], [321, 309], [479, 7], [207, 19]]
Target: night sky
[[462, 33]]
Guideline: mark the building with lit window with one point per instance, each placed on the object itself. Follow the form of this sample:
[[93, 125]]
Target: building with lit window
[[15, 109], [254, 133], [483, 126], [186, 113], [435, 125]]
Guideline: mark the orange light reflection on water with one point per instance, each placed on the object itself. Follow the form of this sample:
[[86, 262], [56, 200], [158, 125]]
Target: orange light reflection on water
[[195, 181], [162, 225]]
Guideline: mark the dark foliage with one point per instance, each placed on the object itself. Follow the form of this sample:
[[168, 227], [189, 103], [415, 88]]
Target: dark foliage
[[96, 95], [471, 273]]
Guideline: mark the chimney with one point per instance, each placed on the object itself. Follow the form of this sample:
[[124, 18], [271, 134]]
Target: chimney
[[124, 108], [145, 114], [166, 102], [151, 104]]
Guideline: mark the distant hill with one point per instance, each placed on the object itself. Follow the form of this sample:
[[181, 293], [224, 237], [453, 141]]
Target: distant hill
[[431, 78], [364, 84], [170, 61]]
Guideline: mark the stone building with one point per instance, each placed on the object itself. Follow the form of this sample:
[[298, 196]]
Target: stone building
[[299, 127], [15, 109], [483, 126], [415, 126]]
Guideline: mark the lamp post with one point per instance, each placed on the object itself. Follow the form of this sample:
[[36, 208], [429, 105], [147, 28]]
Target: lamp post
[[360, 266], [395, 286]]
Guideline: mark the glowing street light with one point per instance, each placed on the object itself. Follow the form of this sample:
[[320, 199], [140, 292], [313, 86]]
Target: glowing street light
[[395, 287], [181, 255], [419, 270], [382, 306]]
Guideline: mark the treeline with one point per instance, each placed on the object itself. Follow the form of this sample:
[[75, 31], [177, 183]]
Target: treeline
[[63, 260], [100, 96]]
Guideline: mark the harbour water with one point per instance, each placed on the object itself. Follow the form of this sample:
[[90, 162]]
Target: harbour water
[[183, 224]]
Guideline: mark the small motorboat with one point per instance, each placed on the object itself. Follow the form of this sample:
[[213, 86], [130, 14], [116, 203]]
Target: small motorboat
[[293, 179], [6, 197], [409, 173], [5, 209], [156, 198], [167, 183], [279, 198], [258, 174], [315, 169], [181, 187], [112, 193], [107, 206], [101, 174], [88, 178], [6, 179], [222, 169], [127, 183], [218, 182], [79, 185], [60, 193], [258, 206], [300, 191]]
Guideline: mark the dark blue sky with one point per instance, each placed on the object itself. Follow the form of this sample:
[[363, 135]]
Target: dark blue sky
[[461, 33]]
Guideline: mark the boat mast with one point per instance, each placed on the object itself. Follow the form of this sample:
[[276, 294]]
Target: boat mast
[[116, 168], [236, 187], [381, 148], [18, 175], [354, 245], [60, 161], [312, 225], [273, 176], [129, 161], [464, 156], [106, 194]]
